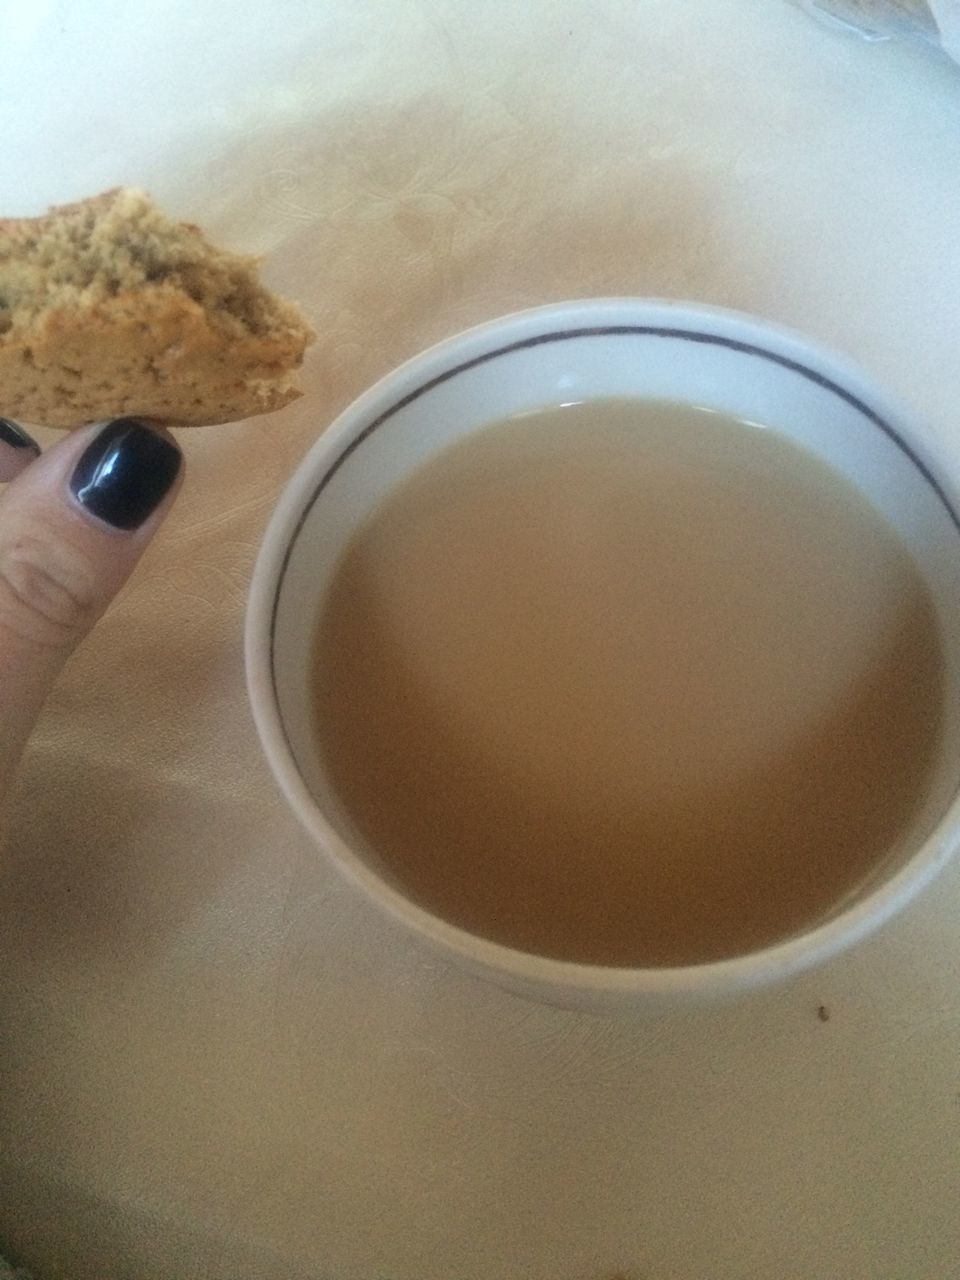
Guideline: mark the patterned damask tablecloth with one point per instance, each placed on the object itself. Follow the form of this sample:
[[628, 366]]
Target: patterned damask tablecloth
[[215, 1059]]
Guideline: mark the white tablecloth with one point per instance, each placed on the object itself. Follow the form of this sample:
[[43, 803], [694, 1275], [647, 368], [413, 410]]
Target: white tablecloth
[[215, 1059]]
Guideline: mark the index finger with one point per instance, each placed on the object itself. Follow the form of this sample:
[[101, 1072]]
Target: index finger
[[17, 450]]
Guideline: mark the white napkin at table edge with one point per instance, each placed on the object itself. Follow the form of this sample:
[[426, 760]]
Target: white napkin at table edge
[[947, 16]]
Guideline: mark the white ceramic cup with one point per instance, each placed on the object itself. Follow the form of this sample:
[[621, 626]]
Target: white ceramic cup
[[575, 352]]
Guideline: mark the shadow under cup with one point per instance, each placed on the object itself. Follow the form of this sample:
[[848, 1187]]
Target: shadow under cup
[[575, 353]]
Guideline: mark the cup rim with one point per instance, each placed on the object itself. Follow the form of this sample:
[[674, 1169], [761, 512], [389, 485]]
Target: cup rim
[[514, 967]]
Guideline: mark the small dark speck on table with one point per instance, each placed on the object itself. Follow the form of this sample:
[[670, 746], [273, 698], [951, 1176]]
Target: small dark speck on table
[[823, 1013]]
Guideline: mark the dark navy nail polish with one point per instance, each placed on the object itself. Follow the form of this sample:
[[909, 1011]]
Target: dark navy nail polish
[[15, 436], [124, 473]]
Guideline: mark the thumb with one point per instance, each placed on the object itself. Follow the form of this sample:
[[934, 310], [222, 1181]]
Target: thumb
[[72, 526]]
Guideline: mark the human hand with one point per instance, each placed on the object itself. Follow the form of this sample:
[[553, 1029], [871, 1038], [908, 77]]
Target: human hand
[[73, 524]]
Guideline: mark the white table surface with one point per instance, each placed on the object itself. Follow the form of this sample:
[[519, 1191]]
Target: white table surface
[[215, 1059]]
